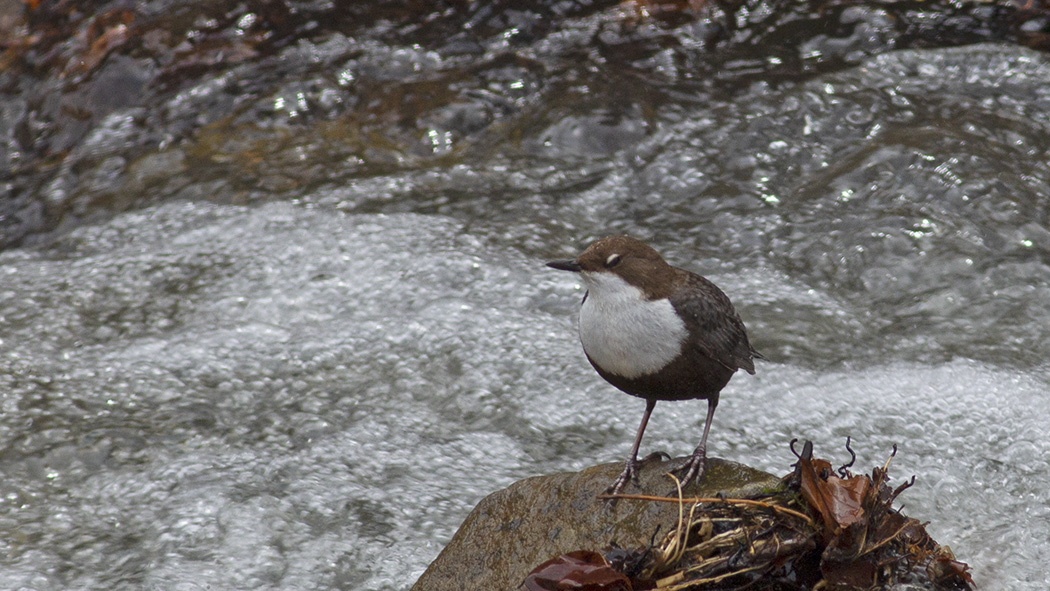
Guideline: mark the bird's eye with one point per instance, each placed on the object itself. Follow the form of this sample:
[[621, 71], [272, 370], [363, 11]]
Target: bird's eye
[[612, 261]]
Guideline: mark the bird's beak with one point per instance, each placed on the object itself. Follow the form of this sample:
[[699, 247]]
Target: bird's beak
[[565, 266]]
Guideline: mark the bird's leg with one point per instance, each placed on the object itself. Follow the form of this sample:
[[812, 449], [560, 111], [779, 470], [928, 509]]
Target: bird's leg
[[630, 471], [694, 466]]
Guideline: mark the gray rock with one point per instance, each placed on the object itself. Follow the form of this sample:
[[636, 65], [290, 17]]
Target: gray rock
[[514, 530]]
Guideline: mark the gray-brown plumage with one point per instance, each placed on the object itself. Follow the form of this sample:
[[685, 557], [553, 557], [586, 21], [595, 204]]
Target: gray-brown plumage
[[657, 332]]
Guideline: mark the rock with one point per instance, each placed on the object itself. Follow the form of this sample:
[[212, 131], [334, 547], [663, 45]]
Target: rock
[[512, 531]]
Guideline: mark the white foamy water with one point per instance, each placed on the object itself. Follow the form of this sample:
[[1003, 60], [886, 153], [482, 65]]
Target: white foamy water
[[313, 393], [284, 398]]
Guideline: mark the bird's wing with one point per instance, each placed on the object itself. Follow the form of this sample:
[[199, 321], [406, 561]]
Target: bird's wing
[[713, 324]]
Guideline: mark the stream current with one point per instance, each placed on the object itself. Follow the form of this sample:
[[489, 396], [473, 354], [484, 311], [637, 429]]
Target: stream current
[[313, 393]]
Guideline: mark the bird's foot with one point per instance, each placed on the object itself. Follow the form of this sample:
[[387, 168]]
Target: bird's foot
[[693, 467], [629, 474], [655, 456]]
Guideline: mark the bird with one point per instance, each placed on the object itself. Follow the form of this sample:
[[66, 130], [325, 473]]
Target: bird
[[657, 332]]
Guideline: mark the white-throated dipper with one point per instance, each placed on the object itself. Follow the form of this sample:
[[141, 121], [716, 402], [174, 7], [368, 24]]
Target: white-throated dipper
[[657, 332]]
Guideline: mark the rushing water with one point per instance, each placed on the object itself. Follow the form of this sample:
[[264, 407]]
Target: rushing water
[[312, 393]]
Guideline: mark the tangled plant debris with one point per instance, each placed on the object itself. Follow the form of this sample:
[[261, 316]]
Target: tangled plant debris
[[819, 530]]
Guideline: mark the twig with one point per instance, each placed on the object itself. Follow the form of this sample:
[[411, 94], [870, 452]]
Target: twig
[[887, 540], [777, 508], [844, 469], [696, 583], [681, 537]]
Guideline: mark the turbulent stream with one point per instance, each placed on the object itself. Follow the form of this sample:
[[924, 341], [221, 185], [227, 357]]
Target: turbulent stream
[[311, 391]]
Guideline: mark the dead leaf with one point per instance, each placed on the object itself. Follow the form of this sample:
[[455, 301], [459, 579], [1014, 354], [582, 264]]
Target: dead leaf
[[581, 570]]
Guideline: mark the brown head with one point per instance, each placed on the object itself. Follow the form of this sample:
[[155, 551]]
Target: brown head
[[632, 260]]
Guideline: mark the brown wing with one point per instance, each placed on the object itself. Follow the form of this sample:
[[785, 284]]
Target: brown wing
[[714, 325]]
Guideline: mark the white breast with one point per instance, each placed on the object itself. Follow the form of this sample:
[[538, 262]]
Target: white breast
[[624, 333]]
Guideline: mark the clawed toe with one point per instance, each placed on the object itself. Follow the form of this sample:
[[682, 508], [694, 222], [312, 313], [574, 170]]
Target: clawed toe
[[656, 455], [693, 468], [629, 474]]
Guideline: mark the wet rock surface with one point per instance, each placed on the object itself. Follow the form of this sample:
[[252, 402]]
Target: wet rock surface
[[512, 531]]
